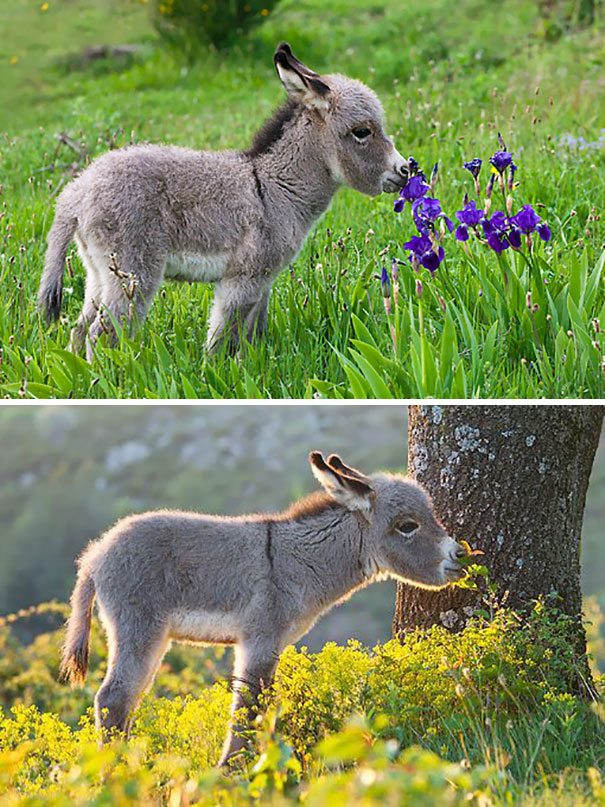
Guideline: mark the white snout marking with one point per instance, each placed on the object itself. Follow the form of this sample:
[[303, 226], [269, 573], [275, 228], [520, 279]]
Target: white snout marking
[[205, 627], [196, 267], [396, 174], [450, 567]]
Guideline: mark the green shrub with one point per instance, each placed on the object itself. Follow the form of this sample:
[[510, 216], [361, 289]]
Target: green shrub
[[187, 24]]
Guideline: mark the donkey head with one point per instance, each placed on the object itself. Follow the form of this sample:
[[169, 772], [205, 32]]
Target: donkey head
[[402, 535], [358, 153]]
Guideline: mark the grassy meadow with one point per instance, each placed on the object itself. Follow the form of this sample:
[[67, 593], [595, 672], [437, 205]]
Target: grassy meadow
[[449, 83]]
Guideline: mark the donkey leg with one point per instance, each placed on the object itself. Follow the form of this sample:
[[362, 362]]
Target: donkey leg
[[92, 295], [122, 299], [234, 302], [130, 671], [252, 675], [256, 322]]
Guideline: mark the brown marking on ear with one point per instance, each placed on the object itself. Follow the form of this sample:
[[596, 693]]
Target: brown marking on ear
[[336, 464], [284, 57]]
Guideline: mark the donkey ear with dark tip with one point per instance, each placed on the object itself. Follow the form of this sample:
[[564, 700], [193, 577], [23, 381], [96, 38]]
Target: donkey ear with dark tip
[[336, 464], [302, 83], [354, 492]]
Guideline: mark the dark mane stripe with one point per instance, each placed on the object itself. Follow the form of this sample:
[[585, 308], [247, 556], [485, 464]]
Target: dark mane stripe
[[272, 129]]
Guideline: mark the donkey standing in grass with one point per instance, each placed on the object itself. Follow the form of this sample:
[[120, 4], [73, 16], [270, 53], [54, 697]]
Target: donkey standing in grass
[[258, 582], [234, 218]]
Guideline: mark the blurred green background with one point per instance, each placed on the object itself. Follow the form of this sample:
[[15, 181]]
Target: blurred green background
[[67, 472]]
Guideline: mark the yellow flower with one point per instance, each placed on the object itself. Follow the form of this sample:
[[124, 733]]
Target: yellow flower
[[14, 59], [204, 7], [265, 12], [44, 7]]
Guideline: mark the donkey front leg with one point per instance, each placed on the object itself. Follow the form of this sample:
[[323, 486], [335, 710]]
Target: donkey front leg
[[240, 307], [252, 675]]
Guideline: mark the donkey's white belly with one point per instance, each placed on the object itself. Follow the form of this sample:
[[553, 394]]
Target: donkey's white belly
[[212, 627], [200, 268]]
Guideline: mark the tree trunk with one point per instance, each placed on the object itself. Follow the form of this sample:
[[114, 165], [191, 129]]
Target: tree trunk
[[512, 481]]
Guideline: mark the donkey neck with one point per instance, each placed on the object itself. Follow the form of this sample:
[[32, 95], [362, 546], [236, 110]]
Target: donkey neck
[[294, 179], [331, 550]]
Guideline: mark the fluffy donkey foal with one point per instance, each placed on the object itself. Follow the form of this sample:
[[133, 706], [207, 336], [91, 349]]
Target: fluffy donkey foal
[[258, 582], [235, 218]]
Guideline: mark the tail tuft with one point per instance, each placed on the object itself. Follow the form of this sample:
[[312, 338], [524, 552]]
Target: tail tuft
[[74, 663], [50, 293]]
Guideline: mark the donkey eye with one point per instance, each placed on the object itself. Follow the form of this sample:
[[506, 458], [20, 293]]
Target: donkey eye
[[361, 132], [408, 527]]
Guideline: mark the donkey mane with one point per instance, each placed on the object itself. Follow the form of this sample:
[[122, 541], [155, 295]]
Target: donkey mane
[[311, 505], [273, 128]]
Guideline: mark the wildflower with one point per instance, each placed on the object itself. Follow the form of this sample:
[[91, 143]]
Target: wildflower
[[514, 237], [543, 231], [526, 219], [474, 166], [426, 211], [488, 193], [501, 161], [495, 230], [423, 251], [414, 189], [385, 283], [497, 224], [462, 232], [498, 242], [419, 288], [414, 169], [470, 215]]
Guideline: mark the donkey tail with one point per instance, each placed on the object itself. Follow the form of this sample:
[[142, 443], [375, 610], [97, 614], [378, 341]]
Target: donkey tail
[[74, 663], [50, 293]]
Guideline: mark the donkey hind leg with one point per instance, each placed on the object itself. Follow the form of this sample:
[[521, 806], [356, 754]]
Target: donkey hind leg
[[92, 296], [256, 321], [130, 672], [252, 675], [120, 298], [235, 303]]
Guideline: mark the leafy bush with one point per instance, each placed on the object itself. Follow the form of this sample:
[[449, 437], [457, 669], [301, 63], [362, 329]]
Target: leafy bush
[[187, 24], [441, 718]]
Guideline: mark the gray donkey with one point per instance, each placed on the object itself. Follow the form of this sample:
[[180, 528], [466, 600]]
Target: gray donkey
[[258, 582], [233, 218]]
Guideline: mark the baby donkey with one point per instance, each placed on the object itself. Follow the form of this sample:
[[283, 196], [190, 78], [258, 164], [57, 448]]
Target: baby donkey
[[234, 218], [258, 582]]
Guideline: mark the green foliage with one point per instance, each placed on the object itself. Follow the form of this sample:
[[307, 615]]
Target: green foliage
[[187, 24], [483, 717]]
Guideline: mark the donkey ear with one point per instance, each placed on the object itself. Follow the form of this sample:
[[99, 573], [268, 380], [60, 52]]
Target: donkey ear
[[336, 464], [352, 492], [301, 83]]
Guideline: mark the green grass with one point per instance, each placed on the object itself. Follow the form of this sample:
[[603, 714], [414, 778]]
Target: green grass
[[449, 82]]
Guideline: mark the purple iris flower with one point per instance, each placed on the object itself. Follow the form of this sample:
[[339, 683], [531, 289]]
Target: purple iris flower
[[502, 160], [498, 242], [422, 247], [461, 232], [514, 238], [526, 219], [415, 189], [414, 169], [470, 215], [426, 211], [474, 166], [385, 283], [543, 231], [497, 224]]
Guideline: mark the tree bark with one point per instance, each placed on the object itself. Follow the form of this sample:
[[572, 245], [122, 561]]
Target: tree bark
[[512, 481]]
